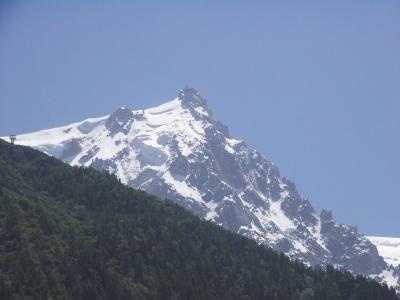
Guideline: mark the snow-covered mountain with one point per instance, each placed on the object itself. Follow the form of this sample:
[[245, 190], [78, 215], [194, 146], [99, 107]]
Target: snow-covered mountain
[[178, 151], [388, 248]]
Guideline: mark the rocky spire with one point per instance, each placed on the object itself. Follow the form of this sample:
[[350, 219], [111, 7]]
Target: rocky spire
[[327, 222], [191, 99]]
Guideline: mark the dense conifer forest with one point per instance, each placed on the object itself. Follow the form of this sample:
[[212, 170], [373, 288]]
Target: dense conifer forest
[[76, 233]]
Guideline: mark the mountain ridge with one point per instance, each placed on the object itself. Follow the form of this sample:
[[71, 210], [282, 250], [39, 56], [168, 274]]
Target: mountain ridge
[[76, 233], [178, 151]]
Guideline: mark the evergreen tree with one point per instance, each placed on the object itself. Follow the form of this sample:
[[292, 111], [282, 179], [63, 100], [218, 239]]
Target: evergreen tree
[[75, 233]]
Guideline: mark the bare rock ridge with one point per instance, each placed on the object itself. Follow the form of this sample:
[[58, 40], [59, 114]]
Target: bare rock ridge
[[178, 151], [119, 121]]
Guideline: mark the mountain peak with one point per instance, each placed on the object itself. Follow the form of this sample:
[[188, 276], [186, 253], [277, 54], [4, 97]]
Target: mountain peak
[[192, 100], [177, 151]]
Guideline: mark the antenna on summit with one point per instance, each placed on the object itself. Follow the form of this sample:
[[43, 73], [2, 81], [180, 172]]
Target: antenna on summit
[[12, 138]]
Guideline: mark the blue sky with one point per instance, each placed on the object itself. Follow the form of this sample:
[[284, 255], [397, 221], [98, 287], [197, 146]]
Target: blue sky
[[314, 86]]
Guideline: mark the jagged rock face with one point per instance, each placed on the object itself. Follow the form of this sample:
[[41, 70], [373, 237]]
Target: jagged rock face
[[178, 151], [120, 121]]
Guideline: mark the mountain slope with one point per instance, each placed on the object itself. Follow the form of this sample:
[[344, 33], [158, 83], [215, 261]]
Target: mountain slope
[[388, 247], [178, 151], [74, 233]]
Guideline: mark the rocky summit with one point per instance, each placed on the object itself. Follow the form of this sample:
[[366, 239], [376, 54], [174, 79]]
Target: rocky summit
[[178, 151]]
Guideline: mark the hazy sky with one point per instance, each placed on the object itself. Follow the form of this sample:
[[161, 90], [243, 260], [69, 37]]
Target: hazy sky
[[314, 86]]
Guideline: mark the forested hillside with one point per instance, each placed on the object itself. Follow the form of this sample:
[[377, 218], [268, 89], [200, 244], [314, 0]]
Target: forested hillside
[[75, 233]]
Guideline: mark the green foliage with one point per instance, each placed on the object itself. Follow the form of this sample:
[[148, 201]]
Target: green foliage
[[75, 233], [307, 294]]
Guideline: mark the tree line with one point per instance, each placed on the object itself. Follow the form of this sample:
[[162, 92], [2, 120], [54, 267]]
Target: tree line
[[76, 233]]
